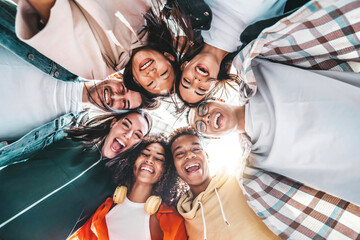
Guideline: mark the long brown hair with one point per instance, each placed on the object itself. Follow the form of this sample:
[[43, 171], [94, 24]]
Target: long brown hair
[[94, 131]]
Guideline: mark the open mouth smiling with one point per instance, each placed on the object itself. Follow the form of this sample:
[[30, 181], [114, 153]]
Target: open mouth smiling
[[202, 70], [147, 169], [107, 96], [145, 64], [216, 120], [117, 145], [191, 168]]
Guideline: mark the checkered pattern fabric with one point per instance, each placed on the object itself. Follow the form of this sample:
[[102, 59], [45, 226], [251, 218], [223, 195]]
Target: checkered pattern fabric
[[322, 35], [295, 211]]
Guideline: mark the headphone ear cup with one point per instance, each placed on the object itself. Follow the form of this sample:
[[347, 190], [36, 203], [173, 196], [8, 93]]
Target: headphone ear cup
[[152, 204], [119, 194]]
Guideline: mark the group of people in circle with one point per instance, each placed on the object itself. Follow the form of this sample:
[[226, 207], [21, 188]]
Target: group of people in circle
[[125, 57]]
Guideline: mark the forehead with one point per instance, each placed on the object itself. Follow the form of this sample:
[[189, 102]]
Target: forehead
[[185, 141], [156, 147], [138, 122], [189, 95], [191, 116]]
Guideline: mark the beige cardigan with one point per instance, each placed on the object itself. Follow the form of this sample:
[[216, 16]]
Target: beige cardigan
[[243, 222], [89, 38]]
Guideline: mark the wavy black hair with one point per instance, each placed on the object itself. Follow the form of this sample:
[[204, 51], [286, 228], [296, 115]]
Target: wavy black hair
[[169, 186], [94, 131]]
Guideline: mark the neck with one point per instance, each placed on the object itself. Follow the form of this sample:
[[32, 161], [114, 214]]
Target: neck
[[196, 190], [215, 52], [140, 192], [240, 116]]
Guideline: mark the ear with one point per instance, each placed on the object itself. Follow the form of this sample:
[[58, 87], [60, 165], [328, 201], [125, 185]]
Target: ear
[[113, 122], [183, 66], [169, 56]]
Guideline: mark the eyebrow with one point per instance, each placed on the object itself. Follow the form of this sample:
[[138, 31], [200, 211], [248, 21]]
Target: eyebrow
[[194, 144], [184, 85], [156, 152], [177, 148], [128, 120]]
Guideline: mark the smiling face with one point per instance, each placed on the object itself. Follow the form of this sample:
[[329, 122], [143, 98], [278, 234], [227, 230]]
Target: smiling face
[[198, 78], [149, 166], [113, 94], [190, 161], [153, 71], [213, 118], [124, 134]]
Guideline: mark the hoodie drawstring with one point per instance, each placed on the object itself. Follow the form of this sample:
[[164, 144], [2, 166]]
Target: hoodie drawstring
[[221, 207], [203, 218]]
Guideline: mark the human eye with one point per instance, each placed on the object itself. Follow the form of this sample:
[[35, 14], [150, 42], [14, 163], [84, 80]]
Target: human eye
[[202, 89], [160, 159], [138, 135], [200, 126], [164, 73], [125, 124], [124, 104], [187, 81], [196, 149], [202, 109], [145, 154], [150, 83], [179, 154]]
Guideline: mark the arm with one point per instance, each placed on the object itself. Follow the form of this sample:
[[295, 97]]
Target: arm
[[155, 230], [43, 8]]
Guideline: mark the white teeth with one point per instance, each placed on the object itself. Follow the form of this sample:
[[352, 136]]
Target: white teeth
[[216, 120], [148, 63], [147, 169], [192, 165], [201, 71], [121, 143], [106, 97]]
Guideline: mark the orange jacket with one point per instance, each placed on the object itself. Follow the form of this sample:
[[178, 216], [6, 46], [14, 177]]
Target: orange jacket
[[171, 223]]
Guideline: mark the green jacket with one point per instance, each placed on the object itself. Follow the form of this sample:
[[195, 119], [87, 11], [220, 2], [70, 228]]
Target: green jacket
[[63, 211]]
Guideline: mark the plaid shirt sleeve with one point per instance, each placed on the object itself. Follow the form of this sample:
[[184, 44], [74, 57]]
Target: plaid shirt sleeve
[[322, 35], [295, 211]]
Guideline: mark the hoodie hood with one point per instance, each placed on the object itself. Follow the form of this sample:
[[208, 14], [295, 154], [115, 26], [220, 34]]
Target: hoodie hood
[[188, 206]]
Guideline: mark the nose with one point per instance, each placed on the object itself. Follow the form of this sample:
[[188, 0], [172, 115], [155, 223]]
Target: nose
[[129, 134], [152, 71], [189, 155], [117, 96], [149, 160], [206, 118]]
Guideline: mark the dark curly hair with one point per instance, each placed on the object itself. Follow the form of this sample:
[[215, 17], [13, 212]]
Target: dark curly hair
[[169, 186], [94, 131]]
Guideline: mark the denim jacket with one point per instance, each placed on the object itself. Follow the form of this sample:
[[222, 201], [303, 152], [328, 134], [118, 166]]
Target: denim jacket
[[38, 139], [9, 40]]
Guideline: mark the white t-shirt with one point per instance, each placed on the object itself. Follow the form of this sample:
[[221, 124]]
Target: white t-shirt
[[128, 221], [30, 98], [304, 124], [231, 17]]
